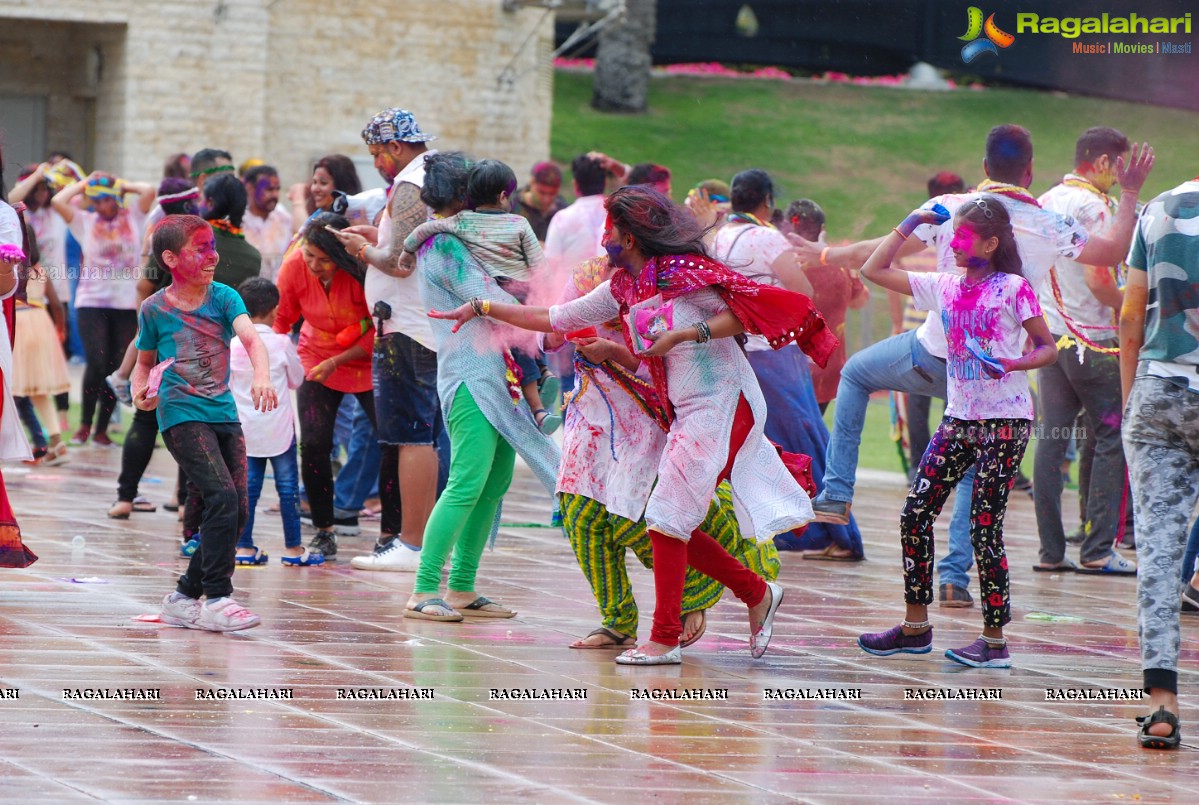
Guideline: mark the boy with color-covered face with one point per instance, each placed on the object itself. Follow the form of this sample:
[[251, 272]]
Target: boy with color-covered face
[[192, 321]]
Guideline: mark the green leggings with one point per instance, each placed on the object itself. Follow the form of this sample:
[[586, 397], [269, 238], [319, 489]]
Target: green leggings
[[481, 463]]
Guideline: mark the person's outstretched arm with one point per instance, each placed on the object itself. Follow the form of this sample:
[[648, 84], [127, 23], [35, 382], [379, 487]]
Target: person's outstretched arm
[[878, 268]]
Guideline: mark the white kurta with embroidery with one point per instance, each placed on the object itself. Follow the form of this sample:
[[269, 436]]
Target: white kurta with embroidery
[[610, 447], [13, 444], [705, 382]]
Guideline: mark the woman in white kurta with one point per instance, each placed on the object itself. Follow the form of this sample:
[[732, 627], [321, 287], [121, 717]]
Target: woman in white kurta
[[13, 444], [710, 392]]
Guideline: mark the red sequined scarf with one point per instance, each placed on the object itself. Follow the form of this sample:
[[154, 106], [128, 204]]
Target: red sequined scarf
[[780, 315]]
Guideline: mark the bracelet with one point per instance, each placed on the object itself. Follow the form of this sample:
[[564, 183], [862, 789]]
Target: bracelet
[[361, 253], [703, 332], [895, 229], [486, 308], [824, 256], [476, 305]]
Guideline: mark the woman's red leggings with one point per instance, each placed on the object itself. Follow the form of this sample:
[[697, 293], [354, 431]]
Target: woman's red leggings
[[702, 552]]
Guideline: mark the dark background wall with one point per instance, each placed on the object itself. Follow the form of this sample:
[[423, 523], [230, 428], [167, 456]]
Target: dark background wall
[[879, 37]]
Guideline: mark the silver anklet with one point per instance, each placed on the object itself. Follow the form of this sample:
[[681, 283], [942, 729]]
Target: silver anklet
[[998, 642], [909, 625]]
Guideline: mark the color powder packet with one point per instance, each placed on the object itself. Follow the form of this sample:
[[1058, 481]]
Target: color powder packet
[[651, 317], [156, 373], [975, 349]]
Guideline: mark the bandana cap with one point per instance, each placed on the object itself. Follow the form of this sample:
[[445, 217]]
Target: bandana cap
[[102, 186], [393, 125]]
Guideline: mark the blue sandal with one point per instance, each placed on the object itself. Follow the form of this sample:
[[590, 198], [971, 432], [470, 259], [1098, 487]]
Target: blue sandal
[[305, 559], [254, 559]]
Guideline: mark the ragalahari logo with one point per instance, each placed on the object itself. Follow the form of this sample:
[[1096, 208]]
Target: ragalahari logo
[[982, 37]]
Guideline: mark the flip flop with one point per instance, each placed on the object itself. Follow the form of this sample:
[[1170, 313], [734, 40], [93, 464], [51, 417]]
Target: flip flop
[[305, 559], [418, 612], [477, 609], [618, 640], [1064, 566], [254, 559], [832, 553], [703, 627], [142, 504], [117, 515], [1116, 566], [759, 640]]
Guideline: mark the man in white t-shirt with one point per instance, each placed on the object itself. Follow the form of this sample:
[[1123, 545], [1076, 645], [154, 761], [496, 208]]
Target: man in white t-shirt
[[575, 233], [914, 362], [411, 434], [266, 224], [1080, 303]]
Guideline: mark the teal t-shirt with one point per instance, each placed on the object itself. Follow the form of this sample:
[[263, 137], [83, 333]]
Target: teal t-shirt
[[196, 387]]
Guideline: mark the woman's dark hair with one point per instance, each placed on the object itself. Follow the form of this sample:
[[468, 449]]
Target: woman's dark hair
[[314, 232], [658, 226], [989, 218], [446, 177], [169, 187], [226, 197], [750, 189], [173, 167], [488, 179], [259, 295], [345, 175]]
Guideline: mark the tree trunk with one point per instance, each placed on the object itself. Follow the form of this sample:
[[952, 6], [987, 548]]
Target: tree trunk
[[622, 62]]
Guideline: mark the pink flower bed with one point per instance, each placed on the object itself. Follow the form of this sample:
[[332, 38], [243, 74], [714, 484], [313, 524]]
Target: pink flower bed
[[717, 70]]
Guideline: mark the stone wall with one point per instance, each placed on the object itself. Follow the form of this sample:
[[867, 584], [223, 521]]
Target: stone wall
[[287, 81]]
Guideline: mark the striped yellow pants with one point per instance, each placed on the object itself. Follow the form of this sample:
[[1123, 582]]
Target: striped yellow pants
[[600, 538]]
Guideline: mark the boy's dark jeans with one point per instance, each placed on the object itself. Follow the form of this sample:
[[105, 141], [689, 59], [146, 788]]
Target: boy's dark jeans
[[213, 456]]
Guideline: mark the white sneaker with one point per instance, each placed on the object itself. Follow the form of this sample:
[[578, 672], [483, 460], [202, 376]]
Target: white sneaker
[[179, 610], [226, 615], [396, 557]]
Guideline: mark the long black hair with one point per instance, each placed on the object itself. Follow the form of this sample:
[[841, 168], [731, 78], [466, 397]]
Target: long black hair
[[315, 233], [989, 218], [226, 197], [658, 226]]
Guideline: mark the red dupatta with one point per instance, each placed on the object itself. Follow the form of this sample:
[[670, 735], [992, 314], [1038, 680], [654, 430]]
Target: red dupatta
[[781, 316]]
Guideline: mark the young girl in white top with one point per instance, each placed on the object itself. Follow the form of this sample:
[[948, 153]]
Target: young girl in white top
[[987, 312]]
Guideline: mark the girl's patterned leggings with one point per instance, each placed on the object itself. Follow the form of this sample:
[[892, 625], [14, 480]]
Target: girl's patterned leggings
[[996, 446]]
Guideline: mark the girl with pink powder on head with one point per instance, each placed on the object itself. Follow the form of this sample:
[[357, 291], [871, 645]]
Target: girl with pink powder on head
[[987, 312]]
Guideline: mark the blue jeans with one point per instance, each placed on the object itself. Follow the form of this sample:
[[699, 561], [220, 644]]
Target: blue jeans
[[898, 363], [359, 475], [286, 470], [29, 419]]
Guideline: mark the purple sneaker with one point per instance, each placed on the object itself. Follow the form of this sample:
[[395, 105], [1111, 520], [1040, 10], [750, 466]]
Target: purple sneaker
[[981, 654], [894, 641]]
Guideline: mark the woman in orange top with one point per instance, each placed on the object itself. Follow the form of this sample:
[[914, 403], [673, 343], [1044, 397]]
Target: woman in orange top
[[321, 283]]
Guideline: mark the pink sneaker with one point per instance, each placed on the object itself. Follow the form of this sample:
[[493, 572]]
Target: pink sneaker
[[179, 610], [226, 615]]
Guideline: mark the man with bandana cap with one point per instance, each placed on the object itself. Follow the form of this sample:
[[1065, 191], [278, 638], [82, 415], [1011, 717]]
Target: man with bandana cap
[[411, 434]]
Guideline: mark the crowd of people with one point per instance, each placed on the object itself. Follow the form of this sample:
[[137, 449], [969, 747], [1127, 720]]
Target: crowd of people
[[429, 329]]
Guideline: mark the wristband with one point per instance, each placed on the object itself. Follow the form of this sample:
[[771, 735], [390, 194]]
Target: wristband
[[897, 232], [486, 307], [824, 256], [361, 253]]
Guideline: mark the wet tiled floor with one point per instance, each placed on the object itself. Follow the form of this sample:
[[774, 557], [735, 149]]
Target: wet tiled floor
[[333, 628]]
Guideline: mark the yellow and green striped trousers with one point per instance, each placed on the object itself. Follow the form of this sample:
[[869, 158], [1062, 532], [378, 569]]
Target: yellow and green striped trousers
[[600, 538]]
